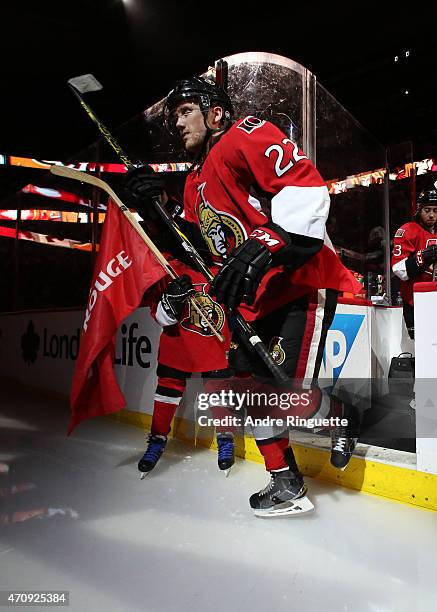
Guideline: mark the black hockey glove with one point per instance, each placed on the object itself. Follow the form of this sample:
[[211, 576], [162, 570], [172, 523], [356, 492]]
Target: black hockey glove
[[174, 298], [241, 274], [429, 255], [141, 186], [239, 278], [417, 262]]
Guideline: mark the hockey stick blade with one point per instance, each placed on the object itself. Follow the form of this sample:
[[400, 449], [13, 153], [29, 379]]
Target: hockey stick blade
[[85, 83], [83, 177]]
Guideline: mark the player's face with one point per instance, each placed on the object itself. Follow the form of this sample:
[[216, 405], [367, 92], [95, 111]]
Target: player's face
[[428, 216], [189, 121]]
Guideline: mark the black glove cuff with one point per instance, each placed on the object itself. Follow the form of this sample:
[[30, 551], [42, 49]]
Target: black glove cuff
[[252, 252], [169, 309], [429, 255], [413, 267], [174, 298]]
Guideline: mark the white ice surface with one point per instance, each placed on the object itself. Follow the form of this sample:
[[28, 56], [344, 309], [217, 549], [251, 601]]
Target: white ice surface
[[185, 538]]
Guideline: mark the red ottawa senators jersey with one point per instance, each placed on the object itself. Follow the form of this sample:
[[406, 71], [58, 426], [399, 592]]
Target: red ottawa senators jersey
[[410, 238], [253, 162], [190, 345]]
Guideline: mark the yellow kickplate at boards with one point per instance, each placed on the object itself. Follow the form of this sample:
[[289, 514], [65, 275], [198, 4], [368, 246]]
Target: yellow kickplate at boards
[[398, 483]]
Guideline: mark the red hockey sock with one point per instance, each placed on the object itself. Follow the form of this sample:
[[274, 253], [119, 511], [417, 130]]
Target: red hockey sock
[[336, 408], [168, 395], [163, 414], [273, 452]]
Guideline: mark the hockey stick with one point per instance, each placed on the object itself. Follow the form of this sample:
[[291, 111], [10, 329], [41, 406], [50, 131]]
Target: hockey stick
[[77, 175], [87, 83]]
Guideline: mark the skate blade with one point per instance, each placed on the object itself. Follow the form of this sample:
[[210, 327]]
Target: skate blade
[[293, 506], [226, 472], [340, 469], [143, 475]]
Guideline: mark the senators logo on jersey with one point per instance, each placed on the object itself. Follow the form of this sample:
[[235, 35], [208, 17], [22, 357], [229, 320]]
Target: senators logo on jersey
[[276, 350], [215, 313], [221, 231]]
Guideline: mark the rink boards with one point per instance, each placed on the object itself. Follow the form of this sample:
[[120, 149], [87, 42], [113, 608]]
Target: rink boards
[[39, 349]]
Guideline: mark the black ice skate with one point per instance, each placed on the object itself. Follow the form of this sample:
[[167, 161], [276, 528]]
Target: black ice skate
[[226, 452], [342, 446], [344, 437], [285, 494], [155, 448]]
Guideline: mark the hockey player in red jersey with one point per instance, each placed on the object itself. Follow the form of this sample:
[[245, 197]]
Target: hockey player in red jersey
[[186, 346], [415, 251], [276, 261]]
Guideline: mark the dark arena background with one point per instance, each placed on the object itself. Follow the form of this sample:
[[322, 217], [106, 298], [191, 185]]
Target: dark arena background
[[355, 88]]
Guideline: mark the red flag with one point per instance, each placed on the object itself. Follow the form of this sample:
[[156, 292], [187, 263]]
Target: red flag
[[125, 268]]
